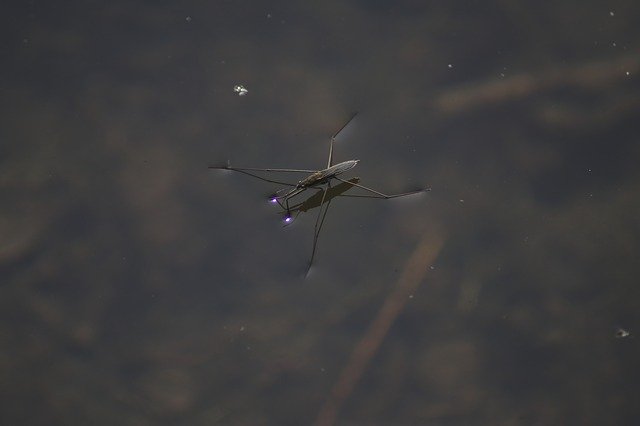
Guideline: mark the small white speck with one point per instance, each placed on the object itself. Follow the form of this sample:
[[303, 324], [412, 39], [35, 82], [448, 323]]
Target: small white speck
[[240, 90], [613, 43], [433, 268], [588, 170], [612, 13], [188, 19], [242, 328], [322, 369], [621, 332], [461, 200], [627, 73], [268, 16], [411, 296], [449, 66]]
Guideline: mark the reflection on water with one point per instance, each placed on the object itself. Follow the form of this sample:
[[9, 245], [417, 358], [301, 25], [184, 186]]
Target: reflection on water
[[139, 287]]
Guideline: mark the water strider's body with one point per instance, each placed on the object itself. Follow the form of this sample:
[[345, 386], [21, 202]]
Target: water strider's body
[[323, 176], [314, 180]]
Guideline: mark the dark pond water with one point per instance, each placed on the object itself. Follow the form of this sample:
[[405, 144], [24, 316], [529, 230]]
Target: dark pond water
[[138, 287]]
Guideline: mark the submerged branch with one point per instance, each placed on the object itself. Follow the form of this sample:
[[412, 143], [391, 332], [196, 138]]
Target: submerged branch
[[413, 273]]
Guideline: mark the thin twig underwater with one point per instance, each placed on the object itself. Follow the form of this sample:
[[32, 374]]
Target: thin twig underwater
[[319, 180]]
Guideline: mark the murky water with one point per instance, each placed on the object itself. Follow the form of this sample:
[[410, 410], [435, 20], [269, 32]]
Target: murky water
[[139, 287]]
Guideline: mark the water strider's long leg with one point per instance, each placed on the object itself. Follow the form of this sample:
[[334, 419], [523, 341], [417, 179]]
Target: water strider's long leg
[[301, 206], [318, 227], [333, 138], [378, 193], [304, 205], [254, 175], [255, 169], [288, 196]]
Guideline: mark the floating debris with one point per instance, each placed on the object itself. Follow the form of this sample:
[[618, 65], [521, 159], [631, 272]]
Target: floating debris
[[240, 90], [622, 333]]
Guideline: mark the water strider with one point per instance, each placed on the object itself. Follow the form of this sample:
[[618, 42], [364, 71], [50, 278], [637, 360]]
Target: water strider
[[316, 179]]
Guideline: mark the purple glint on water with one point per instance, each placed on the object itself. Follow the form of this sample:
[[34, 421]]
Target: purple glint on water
[[274, 200], [287, 219]]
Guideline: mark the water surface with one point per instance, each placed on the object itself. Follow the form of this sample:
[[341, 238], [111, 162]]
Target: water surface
[[139, 287]]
